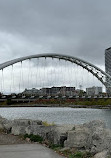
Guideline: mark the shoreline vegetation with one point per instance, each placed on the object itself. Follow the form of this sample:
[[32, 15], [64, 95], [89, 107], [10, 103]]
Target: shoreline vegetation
[[73, 103]]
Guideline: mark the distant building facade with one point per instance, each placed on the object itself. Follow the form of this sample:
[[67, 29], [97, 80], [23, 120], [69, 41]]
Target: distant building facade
[[91, 91], [108, 66], [53, 91], [32, 91]]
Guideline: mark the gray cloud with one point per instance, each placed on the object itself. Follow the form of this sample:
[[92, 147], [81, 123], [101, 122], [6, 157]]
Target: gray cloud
[[79, 28], [75, 27]]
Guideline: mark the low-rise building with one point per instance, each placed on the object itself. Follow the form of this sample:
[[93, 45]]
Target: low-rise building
[[91, 91], [29, 92], [53, 91]]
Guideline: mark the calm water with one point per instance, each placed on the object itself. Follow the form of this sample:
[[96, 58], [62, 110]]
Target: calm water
[[58, 115]]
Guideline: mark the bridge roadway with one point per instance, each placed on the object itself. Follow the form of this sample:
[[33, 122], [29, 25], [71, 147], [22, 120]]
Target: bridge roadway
[[27, 100]]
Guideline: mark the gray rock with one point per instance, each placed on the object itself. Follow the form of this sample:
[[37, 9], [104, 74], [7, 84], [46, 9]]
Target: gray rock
[[1, 117], [60, 133], [43, 131], [92, 136], [79, 138], [2, 122], [101, 140], [26, 122], [18, 130], [95, 124], [55, 134], [5, 125], [103, 154], [35, 122], [8, 127]]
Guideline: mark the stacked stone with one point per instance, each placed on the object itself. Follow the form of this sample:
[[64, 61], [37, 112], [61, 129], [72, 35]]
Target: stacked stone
[[93, 136]]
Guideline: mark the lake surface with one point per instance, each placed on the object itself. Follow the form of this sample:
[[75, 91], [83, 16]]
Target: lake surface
[[58, 115]]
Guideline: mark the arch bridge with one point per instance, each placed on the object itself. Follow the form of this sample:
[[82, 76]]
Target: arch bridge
[[97, 72]]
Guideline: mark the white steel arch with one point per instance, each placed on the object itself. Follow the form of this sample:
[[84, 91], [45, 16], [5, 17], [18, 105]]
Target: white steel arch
[[97, 72]]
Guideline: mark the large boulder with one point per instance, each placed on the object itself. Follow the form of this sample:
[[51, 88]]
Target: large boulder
[[94, 124], [21, 126], [18, 130], [92, 136], [55, 134], [101, 140], [103, 154], [44, 131], [79, 137], [60, 133], [5, 125], [2, 121]]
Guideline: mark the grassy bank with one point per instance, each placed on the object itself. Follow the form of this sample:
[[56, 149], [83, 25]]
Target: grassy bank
[[86, 103], [103, 102]]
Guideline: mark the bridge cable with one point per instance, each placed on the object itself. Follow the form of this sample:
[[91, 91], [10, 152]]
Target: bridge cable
[[2, 87], [20, 79], [56, 72], [82, 78], [71, 80], [63, 62], [13, 86], [36, 73], [65, 74], [39, 75], [1, 80], [75, 74], [43, 76], [77, 78], [22, 76], [29, 74]]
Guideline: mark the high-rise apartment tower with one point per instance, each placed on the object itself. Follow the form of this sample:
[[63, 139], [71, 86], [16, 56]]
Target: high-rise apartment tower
[[108, 66]]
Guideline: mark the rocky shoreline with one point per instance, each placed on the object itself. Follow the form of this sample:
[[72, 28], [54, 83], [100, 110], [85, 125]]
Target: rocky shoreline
[[92, 137]]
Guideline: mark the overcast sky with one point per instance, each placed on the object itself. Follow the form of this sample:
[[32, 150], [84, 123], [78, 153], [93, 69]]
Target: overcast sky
[[76, 27], [80, 28]]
